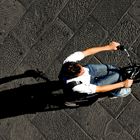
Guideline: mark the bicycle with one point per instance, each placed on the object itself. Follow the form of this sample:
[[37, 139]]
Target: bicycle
[[131, 71]]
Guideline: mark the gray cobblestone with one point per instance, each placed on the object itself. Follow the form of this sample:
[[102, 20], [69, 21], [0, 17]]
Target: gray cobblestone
[[108, 13], [11, 53], [26, 3], [49, 46], [135, 11], [22, 129], [136, 135], [130, 117], [125, 32], [90, 34], [114, 131], [34, 22], [10, 13], [91, 118], [114, 107], [56, 126], [73, 15]]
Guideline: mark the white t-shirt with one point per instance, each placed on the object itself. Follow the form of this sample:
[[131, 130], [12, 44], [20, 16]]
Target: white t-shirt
[[85, 87]]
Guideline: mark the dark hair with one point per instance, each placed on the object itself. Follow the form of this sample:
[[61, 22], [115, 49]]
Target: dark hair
[[69, 70]]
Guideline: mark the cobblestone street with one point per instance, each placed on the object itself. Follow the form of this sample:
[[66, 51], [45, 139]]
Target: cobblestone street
[[39, 35]]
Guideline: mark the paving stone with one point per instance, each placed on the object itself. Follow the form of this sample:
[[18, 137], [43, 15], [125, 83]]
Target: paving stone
[[108, 13], [136, 91], [26, 3], [9, 85], [91, 117], [6, 125], [73, 14], [115, 106], [11, 53], [30, 116], [16, 80], [1, 1], [135, 48], [125, 33], [35, 21], [136, 135], [114, 131], [24, 81], [90, 34], [125, 61], [130, 117], [10, 13], [2, 138], [122, 136], [135, 11], [53, 71], [58, 126], [22, 129], [88, 4], [46, 50]]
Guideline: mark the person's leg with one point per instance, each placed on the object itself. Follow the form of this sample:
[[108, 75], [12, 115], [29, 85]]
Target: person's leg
[[107, 79], [97, 70], [102, 74], [107, 74], [110, 79]]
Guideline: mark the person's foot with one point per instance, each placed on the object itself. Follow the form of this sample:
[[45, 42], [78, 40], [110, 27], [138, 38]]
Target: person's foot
[[122, 93]]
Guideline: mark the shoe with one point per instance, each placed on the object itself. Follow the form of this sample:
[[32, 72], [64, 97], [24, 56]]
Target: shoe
[[122, 93]]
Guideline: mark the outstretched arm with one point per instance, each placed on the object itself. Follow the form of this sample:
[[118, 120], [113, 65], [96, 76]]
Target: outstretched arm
[[77, 56], [127, 83], [110, 47]]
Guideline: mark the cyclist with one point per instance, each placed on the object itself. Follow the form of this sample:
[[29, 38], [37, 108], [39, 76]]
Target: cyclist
[[94, 78]]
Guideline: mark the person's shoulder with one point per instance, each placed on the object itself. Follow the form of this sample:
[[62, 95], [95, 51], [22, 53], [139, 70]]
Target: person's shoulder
[[74, 57]]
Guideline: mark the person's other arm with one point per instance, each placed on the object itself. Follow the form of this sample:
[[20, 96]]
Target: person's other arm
[[90, 89], [127, 83], [110, 47]]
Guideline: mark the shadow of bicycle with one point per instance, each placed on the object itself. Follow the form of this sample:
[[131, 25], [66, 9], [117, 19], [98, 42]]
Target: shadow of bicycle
[[45, 96], [39, 97]]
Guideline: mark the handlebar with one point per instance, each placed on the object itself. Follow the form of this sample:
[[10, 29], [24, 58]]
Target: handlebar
[[121, 47]]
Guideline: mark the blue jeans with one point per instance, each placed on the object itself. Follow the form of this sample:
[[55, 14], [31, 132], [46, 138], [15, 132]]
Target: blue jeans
[[104, 74]]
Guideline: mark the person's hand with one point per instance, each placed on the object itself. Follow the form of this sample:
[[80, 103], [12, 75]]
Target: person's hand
[[128, 83], [113, 45]]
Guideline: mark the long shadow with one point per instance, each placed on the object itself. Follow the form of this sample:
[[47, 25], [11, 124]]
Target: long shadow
[[30, 98], [40, 97]]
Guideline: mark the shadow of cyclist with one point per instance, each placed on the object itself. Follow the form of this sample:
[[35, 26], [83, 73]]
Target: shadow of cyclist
[[39, 97], [30, 98]]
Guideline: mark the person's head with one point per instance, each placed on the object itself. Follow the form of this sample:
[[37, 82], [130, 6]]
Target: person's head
[[71, 69]]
